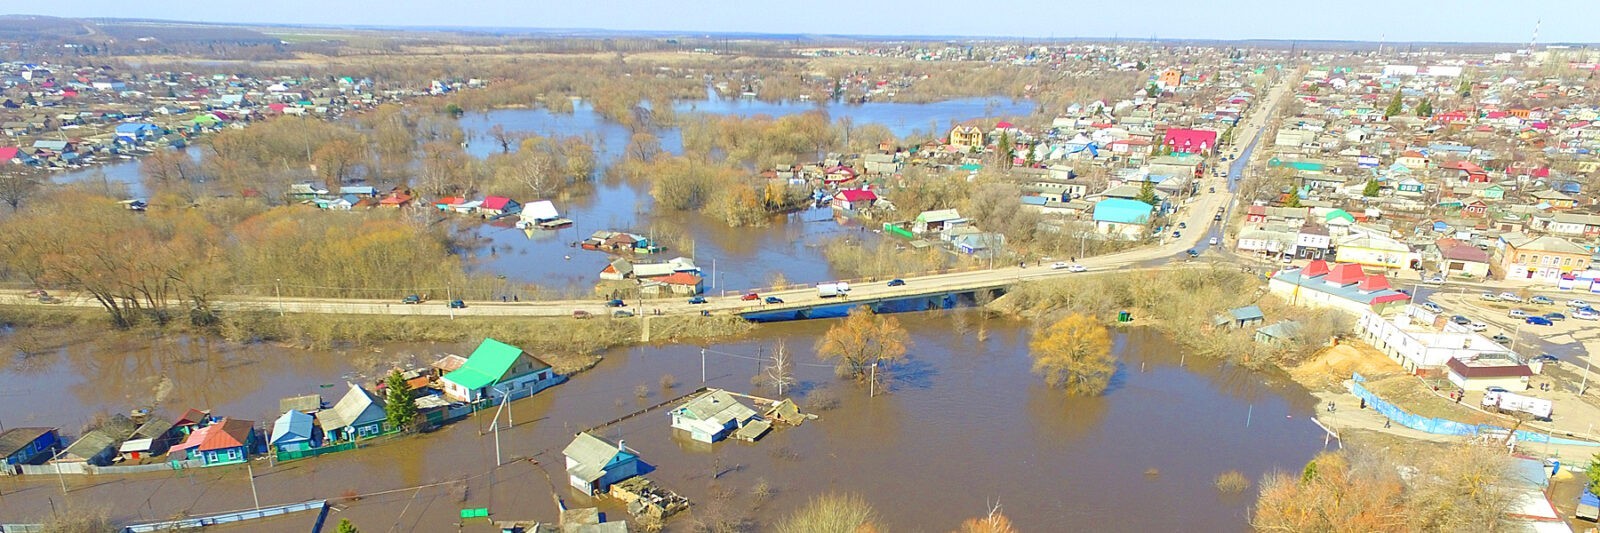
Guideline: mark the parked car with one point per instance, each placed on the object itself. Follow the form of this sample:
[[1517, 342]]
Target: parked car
[[1488, 296], [697, 300], [1192, 253], [1547, 358], [48, 299], [621, 313], [1212, 242], [1577, 304], [774, 300], [896, 282], [1288, 259], [1461, 320], [1541, 300], [1432, 307], [581, 314], [411, 299], [1177, 234], [1585, 314], [1494, 388], [1478, 326], [1538, 321], [1510, 297], [458, 304], [1077, 268], [1435, 279], [750, 297], [1058, 265], [616, 303], [1182, 225], [1517, 313], [1501, 338], [1554, 316]]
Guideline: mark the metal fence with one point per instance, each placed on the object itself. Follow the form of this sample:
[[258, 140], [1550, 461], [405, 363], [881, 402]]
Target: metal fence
[[225, 518], [76, 469], [313, 452], [21, 528]]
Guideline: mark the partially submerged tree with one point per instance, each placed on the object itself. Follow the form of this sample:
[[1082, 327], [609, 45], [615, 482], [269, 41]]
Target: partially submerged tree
[[994, 522], [401, 410], [1459, 490], [1074, 354], [862, 340], [832, 513], [779, 369]]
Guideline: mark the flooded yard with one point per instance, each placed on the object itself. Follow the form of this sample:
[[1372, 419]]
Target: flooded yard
[[965, 425]]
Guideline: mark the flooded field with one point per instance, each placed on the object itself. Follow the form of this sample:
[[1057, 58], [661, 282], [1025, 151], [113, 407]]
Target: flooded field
[[965, 425]]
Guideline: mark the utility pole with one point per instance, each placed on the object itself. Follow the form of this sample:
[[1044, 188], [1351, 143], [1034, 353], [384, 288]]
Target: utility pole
[[277, 290], [713, 272], [449, 302], [872, 390], [252, 471], [1584, 384], [702, 366]]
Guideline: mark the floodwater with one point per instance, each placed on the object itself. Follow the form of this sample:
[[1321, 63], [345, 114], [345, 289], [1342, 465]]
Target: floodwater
[[743, 257], [965, 425]]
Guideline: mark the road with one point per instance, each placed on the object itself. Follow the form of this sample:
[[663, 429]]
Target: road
[[1194, 212]]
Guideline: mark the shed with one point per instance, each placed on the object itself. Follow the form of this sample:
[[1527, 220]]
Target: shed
[[1487, 370], [97, 447]]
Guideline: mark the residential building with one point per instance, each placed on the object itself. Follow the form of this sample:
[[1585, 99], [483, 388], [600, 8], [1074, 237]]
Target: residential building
[[97, 447], [594, 464], [854, 199], [151, 439], [293, 432], [712, 416], [28, 445], [496, 370], [228, 441], [1545, 258], [1312, 241], [1190, 141], [1123, 218], [494, 206], [1375, 250], [1345, 287], [1458, 258], [358, 415], [965, 138]]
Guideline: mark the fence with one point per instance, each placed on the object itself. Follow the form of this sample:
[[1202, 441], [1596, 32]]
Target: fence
[[1441, 426], [76, 469], [225, 518], [21, 528], [313, 452]]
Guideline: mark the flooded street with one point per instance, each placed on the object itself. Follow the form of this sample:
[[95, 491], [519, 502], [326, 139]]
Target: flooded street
[[965, 425]]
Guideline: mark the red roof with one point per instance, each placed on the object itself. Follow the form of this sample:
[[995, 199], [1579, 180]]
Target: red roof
[[228, 433], [7, 153], [1257, 210], [1002, 125], [1374, 283], [680, 278], [495, 202], [191, 417], [1315, 268], [857, 195], [396, 199], [450, 200], [1345, 274], [1188, 140]]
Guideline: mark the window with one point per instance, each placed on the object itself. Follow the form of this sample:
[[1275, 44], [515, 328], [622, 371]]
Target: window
[[233, 453]]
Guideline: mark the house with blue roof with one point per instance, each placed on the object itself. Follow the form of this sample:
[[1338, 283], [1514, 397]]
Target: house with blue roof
[[136, 132], [293, 432], [1122, 217]]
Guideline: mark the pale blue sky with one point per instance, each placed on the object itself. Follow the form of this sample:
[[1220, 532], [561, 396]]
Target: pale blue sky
[[1391, 20]]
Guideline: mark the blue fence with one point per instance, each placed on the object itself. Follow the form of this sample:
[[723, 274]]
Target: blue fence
[[1441, 426]]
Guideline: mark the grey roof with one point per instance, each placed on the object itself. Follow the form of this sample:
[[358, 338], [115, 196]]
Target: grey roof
[[91, 444], [1249, 312], [355, 408], [152, 428], [717, 405], [309, 403], [1551, 244], [1280, 330], [590, 454]]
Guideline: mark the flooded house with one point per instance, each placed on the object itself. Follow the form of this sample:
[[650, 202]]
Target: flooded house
[[594, 464], [151, 439], [191, 421], [497, 370], [294, 431], [228, 441], [27, 446], [358, 415], [97, 447], [494, 206], [712, 416]]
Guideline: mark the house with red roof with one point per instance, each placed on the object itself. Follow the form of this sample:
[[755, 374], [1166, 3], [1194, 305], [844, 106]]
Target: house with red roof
[[1467, 171], [396, 199], [854, 199], [684, 283], [1190, 141], [11, 155], [1346, 287], [494, 206], [228, 441]]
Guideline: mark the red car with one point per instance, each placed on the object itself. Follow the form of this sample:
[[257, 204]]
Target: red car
[[750, 296]]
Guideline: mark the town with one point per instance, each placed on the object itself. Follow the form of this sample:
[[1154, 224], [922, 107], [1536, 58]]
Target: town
[[394, 294]]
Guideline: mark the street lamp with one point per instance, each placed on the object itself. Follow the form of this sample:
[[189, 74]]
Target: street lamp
[[277, 291]]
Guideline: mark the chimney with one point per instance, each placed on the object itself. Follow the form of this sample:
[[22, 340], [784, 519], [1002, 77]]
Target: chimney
[[622, 446]]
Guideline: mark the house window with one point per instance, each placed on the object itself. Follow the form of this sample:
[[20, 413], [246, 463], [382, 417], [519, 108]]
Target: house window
[[233, 454]]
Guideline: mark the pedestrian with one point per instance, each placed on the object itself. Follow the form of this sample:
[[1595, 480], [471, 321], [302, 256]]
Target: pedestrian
[[516, 298], [502, 298], [1363, 403], [1385, 423]]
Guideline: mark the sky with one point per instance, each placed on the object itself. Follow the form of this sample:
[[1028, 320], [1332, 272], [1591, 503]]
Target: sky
[[1360, 20]]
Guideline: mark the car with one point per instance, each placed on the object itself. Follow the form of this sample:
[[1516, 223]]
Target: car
[[1077, 268], [1477, 326], [621, 313], [1436, 279], [1461, 320], [458, 304], [1547, 358], [411, 299], [1510, 297], [1217, 218], [1501, 338], [750, 297], [896, 282], [1541, 300], [581, 314], [1538, 321], [1488, 296], [1577, 304], [1192, 253], [1432, 307], [1554, 316], [1212, 242], [1517, 313], [48, 299], [616, 303], [1058, 265], [697, 300], [1183, 225], [37, 293], [774, 300], [1585, 314], [1494, 388], [1288, 259], [1176, 234]]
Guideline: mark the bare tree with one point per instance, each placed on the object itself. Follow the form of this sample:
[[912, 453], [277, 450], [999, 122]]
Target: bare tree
[[779, 372], [19, 185]]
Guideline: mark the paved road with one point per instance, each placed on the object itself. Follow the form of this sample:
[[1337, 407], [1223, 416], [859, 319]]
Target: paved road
[[1195, 212]]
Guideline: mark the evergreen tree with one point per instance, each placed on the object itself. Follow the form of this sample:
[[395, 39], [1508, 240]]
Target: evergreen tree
[[1147, 193], [1466, 88], [1294, 199], [1152, 91], [1395, 106], [346, 527], [1030, 158], [1425, 109], [1004, 151], [401, 410], [1372, 188]]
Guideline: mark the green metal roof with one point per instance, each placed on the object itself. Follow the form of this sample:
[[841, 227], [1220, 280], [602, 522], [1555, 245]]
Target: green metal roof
[[486, 364]]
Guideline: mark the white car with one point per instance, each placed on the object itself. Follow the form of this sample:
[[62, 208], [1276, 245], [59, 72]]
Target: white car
[[1077, 268], [1577, 304], [1432, 307], [1478, 326], [1059, 265], [1517, 313], [1510, 297], [1585, 315], [1212, 242]]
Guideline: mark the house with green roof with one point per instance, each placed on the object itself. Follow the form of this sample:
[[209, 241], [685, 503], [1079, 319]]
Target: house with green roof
[[497, 371]]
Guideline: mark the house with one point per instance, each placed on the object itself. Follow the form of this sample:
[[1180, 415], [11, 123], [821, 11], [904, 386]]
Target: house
[[308, 404], [1278, 332], [936, 220], [1409, 186], [540, 211], [1475, 208], [293, 432], [151, 439], [135, 133], [712, 416], [1413, 160], [358, 415], [96, 447], [191, 420], [496, 370], [1345, 287], [396, 199], [1122, 217], [681, 283], [228, 441], [854, 199], [1555, 199], [1241, 317], [1544, 258], [1190, 141], [1457, 258], [1312, 241], [593, 464], [494, 206], [28, 445], [965, 138], [1375, 250], [1481, 371], [618, 269], [1575, 224]]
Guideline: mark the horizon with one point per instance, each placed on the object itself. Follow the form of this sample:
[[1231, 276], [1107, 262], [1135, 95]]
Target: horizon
[[1423, 22]]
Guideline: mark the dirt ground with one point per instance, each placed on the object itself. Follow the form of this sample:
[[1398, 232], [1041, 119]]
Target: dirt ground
[[1328, 369]]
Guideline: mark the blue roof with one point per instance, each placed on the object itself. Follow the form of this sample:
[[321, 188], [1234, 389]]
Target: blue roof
[[1249, 312], [1033, 200], [1122, 211], [134, 128], [292, 426]]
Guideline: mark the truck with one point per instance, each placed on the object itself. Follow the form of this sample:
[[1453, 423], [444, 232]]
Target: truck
[[829, 290], [1508, 402]]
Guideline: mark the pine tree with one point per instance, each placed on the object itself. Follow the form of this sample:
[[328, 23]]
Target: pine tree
[[1152, 91], [1372, 188], [1465, 89], [1425, 109], [1004, 151], [1395, 106], [1147, 193], [401, 410], [1294, 199], [346, 527]]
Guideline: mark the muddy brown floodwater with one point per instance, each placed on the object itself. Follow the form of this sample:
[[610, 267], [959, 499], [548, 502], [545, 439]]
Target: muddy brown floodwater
[[966, 425]]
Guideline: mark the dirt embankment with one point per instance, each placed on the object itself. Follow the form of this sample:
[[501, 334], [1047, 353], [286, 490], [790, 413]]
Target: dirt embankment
[[1329, 368]]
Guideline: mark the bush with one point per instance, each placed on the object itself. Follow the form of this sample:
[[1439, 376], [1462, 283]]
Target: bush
[[1232, 482]]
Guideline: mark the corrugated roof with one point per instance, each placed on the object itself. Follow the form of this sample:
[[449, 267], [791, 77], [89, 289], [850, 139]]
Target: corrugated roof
[[355, 408], [293, 425], [487, 364], [1122, 211], [15, 439], [590, 454], [718, 406]]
